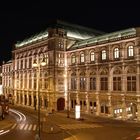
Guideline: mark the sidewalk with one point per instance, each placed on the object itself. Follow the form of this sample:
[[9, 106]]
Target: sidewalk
[[6, 123]]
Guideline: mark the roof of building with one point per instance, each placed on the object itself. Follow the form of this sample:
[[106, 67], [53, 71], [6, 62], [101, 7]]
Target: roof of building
[[73, 30], [106, 38]]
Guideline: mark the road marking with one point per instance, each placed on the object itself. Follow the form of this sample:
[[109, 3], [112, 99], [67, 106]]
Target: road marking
[[73, 136], [30, 127], [14, 126], [21, 126], [34, 128], [1, 131], [4, 132], [25, 128], [78, 126]]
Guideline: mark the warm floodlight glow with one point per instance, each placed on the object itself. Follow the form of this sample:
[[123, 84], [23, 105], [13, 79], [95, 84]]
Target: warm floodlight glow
[[77, 111], [35, 65], [43, 63], [1, 91]]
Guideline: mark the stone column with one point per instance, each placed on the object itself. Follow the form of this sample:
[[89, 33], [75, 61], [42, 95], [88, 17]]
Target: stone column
[[15, 97], [19, 102], [124, 113], [124, 79], [23, 97], [27, 99], [97, 105], [133, 107], [138, 78], [87, 103], [110, 108], [87, 89], [138, 108], [43, 103], [109, 79], [78, 87]]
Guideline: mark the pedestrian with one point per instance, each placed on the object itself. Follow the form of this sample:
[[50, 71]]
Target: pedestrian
[[37, 137]]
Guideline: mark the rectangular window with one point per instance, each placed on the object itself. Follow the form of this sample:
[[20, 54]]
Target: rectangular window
[[82, 83], [104, 83], [82, 58], [131, 83], [73, 83], [73, 59], [30, 62], [92, 83], [103, 55], [117, 83]]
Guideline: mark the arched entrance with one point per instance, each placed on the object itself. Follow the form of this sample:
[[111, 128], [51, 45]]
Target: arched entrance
[[133, 110], [60, 104]]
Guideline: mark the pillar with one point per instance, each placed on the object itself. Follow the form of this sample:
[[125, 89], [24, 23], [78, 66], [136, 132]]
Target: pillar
[[138, 78], [110, 108], [97, 105], [87, 103], [124, 113], [27, 99], [138, 108]]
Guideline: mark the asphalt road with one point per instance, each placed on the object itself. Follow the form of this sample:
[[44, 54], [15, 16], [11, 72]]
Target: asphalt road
[[58, 127]]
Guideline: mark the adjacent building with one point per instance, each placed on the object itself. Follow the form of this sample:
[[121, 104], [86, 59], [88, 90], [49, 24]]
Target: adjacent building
[[96, 70]]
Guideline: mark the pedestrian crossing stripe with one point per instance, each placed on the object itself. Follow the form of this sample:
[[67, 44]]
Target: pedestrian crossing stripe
[[29, 127], [78, 126], [14, 126]]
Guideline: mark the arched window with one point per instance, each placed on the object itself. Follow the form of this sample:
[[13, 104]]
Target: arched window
[[73, 59], [116, 53], [82, 57], [103, 54], [73, 81], [130, 51], [82, 81], [92, 56]]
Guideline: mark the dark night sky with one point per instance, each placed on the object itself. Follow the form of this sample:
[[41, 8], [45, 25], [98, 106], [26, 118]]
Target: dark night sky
[[22, 19]]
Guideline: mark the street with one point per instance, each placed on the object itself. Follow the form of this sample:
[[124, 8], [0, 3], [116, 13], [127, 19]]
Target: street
[[58, 127]]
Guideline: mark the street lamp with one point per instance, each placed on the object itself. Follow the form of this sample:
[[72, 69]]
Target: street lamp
[[67, 94], [38, 66]]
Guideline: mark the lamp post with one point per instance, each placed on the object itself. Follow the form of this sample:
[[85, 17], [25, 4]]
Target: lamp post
[[38, 66]]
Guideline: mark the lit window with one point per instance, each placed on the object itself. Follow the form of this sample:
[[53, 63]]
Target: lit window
[[73, 60], [104, 55], [130, 51], [59, 58], [92, 57], [82, 57], [82, 83], [131, 83], [116, 53]]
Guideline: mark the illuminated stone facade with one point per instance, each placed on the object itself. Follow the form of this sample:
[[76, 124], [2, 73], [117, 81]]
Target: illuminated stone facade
[[7, 78], [100, 72]]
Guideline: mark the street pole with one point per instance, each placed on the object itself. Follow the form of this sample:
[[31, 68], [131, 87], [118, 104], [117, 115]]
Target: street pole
[[38, 66], [68, 108], [38, 100]]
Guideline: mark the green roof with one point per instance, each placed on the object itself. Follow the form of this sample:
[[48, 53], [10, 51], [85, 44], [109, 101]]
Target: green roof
[[72, 30], [105, 38]]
